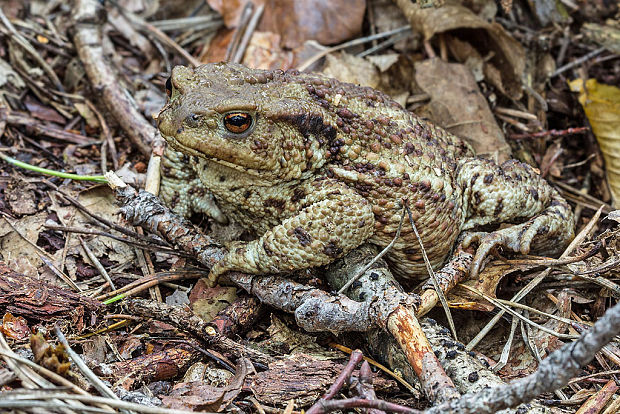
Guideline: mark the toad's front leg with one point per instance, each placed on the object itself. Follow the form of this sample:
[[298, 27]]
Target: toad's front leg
[[332, 221]]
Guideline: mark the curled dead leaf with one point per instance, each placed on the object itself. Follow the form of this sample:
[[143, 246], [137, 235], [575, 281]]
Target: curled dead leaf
[[504, 57]]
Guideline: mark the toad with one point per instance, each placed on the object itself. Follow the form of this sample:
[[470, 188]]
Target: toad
[[316, 167]]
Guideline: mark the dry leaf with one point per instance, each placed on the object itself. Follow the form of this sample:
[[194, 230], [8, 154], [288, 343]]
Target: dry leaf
[[206, 302], [230, 10], [264, 52], [43, 112], [383, 62], [100, 200], [89, 116], [202, 397], [19, 255], [21, 197], [217, 47], [326, 21], [14, 327], [351, 69], [486, 283], [602, 106], [458, 106]]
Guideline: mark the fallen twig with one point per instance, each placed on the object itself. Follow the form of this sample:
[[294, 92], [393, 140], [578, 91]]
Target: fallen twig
[[551, 133], [88, 17], [377, 284]]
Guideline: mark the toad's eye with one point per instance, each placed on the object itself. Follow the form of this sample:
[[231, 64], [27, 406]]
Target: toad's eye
[[237, 122], [169, 87]]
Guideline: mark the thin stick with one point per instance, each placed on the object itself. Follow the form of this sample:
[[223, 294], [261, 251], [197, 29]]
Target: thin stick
[[96, 263], [429, 268], [94, 379], [246, 15], [517, 314], [247, 34], [377, 257], [578, 62], [305, 65]]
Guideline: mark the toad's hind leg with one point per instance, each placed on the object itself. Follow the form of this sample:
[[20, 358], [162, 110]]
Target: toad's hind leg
[[512, 193]]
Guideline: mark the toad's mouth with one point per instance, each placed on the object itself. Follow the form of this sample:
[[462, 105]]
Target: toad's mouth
[[258, 175]]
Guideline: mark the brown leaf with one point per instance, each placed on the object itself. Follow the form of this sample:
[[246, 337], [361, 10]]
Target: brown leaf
[[326, 21], [486, 283], [458, 106], [218, 46], [230, 10], [21, 197], [199, 396], [207, 301], [19, 254], [264, 52], [44, 112], [14, 327], [352, 69]]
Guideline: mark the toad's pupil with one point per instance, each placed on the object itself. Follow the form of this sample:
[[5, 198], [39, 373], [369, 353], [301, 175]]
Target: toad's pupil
[[169, 87], [237, 122]]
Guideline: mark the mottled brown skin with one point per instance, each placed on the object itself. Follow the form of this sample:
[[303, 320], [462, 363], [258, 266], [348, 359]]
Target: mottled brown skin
[[326, 165]]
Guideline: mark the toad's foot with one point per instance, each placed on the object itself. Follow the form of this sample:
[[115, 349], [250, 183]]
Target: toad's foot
[[542, 233]]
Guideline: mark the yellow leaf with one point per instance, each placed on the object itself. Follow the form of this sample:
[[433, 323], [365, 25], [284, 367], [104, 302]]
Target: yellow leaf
[[602, 106]]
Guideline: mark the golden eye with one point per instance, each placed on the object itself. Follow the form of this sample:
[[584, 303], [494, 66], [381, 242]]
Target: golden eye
[[237, 122], [169, 87]]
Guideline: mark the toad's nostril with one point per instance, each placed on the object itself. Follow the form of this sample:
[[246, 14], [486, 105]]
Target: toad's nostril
[[193, 120]]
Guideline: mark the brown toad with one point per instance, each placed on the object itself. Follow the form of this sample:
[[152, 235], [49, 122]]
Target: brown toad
[[316, 167]]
